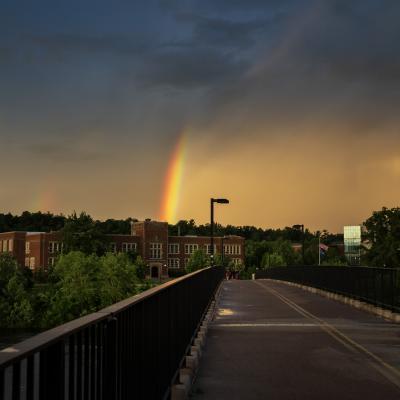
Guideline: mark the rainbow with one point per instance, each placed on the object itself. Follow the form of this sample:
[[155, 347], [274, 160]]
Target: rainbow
[[173, 181], [45, 198]]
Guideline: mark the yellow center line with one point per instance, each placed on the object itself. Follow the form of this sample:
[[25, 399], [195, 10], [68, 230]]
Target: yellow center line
[[339, 336]]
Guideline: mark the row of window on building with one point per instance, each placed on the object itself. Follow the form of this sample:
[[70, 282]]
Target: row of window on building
[[6, 245], [125, 247], [175, 262], [54, 247], [190, 248], [30, 262], [156, 251], [155, 248]]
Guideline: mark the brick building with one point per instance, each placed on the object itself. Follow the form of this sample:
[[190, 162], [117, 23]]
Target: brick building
[[13, 243], [42, 249], [162, 252], [148, 238]]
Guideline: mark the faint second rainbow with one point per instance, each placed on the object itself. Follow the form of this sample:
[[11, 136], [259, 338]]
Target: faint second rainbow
[[45, 198], [173, 181]]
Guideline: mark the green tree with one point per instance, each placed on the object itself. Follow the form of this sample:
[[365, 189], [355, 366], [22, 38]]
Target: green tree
[[311, 250], [82, 233], [118, 279], [254, 252], [221, 262], [8, 268], [332, 257], [15, 300], [82, 284], [20, 312], [76, 290], [27, 221], [141, 268], [383, 233], [284, 248], [272, 260], [197, 260], [115, 226]]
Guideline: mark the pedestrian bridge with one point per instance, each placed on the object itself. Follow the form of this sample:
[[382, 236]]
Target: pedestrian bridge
[[270, 340], [266, 340]]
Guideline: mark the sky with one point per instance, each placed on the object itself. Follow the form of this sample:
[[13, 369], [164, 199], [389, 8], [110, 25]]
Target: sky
[[288, 108]]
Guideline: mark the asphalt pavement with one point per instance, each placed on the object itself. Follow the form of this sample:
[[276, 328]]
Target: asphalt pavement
[[274, 341]]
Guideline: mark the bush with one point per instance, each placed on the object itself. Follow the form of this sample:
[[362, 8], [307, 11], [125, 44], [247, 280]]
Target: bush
[[197, 260]]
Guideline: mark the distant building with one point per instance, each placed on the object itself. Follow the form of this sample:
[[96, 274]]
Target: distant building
[[297, 247], [352, 244], [149, 239]]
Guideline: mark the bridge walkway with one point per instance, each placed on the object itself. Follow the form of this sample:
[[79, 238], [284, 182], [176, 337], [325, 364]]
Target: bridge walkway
[[274, 341]]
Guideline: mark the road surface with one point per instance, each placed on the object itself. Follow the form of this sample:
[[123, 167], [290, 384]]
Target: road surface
[[274, 341]]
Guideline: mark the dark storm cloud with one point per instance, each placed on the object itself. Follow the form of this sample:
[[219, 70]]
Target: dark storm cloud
[[229, 5], [358, 40], [86, 44], [287, 56], [190, 68], [221, 32], [344, 41], [62, 152], [331, 60], [59, 47]]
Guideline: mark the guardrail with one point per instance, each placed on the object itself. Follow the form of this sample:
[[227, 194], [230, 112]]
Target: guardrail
[[378, 286], [130, 350]]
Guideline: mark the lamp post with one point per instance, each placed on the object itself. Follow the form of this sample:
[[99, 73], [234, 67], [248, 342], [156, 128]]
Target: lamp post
[[301, 226], [212, 201], [319, 248]]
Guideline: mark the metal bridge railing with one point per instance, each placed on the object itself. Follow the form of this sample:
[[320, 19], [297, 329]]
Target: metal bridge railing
[[130, 350], [378, 286]]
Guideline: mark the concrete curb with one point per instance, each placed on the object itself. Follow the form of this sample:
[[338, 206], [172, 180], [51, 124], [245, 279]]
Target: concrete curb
[[360, 305], [187, 374]]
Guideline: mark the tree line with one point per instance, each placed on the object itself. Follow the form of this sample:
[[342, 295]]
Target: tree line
[[47, 222], [381, 231]]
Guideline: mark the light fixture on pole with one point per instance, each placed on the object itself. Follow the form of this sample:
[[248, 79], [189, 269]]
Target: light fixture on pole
[[212, 201]]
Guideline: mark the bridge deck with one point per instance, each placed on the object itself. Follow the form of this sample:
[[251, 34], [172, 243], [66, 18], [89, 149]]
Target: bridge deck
[[273, 341]]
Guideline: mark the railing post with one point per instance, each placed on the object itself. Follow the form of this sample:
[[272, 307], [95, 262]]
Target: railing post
[[392, 287], [52, 372], [16, 381], [1, 384], [110, 370]]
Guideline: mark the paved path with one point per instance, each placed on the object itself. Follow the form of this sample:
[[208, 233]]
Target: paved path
[[273, 341]]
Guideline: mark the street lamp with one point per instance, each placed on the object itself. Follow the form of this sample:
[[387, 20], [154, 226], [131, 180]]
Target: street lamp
[[212, 201], [301, 226], [319, 248]]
